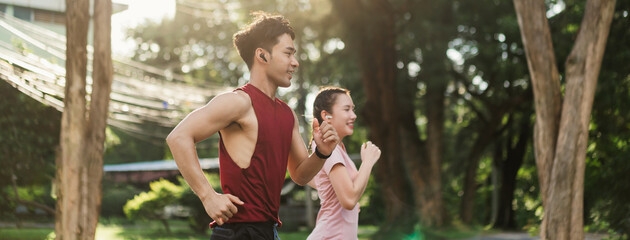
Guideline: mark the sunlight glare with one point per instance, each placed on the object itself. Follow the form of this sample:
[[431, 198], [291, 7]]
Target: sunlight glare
[[556, 8], [138, 12], [455, 56]]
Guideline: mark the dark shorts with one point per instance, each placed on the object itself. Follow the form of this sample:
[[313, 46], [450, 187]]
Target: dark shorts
[[245, 231]]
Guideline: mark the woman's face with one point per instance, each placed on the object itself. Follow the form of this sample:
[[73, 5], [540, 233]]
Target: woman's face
[[342, 115]]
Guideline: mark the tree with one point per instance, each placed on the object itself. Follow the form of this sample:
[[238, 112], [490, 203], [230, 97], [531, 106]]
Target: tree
[[607, 180], [203, 48], [509, 156], [490, 81], [409, 172], [562, 123], [387, 47], [27, 144], [80, 159]]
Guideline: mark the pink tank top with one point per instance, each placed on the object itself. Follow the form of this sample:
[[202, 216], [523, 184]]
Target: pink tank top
[[260, 184]]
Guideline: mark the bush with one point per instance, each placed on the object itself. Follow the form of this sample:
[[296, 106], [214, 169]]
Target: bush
[[115, 196], [150, 205], [198, 219]]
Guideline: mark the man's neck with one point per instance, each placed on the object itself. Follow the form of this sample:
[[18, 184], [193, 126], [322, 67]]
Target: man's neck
[[260, 81]]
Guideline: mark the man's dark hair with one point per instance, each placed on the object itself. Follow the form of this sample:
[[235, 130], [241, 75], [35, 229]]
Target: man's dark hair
[[263, 32]]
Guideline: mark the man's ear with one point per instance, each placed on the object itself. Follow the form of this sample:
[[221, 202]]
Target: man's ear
[[260, 55]]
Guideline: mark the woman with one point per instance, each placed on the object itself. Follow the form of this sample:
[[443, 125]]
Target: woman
[[339, 183]]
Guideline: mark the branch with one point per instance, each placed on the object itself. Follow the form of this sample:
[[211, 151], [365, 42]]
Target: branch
[[460, 77], [47, 209], [30, 203], [505, 126], [477, 111]]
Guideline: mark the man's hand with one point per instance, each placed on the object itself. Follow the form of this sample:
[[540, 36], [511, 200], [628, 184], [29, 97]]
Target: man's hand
[[325, 137], [220, 207]]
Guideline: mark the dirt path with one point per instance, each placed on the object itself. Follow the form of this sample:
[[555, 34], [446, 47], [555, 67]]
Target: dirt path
[[525, 236]]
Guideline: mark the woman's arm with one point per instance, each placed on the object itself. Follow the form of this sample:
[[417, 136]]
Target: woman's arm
[[348, 191]]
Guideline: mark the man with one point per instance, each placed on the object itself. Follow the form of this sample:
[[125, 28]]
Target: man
[[259, 138]]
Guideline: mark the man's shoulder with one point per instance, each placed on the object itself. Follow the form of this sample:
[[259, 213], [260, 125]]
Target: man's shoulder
[[236, 100], [237, 97]]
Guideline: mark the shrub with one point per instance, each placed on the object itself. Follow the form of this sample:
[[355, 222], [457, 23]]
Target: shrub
[[115, 196], [150, 205], [198, 219]]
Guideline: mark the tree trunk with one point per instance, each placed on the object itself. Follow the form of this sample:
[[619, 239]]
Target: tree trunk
[[509, 170], [102, 75], [18, 221], [73, 125], [409, 181], [56, 190], [379, 81], [429, 201], [484, 138], [165, 224], [496, 171], [304, 124], [560, 141], [80, 161], [490, 130], [377, 61]]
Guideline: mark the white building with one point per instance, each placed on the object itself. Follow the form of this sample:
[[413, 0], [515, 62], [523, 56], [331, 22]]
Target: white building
[[47, 13]]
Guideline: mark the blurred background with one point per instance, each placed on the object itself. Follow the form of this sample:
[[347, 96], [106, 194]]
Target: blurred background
[[448, 80]]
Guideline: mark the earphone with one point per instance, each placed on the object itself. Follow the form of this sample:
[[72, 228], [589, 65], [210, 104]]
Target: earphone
[[328, 117], [262, 55]]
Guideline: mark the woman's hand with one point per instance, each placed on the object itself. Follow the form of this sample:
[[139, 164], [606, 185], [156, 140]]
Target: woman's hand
[[370, 153]]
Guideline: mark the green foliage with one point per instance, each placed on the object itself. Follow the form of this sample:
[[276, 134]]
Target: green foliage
[[111, 139], [607, 182], [29, 133], [372, 210], [527, 200], [199, 219], [34, 193], [115, 196], [122, 147], [202, 49], [492, 70], [20, 46], [150, 205]]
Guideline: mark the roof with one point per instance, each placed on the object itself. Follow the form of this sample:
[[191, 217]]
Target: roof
[[60, 5], [160, 165]]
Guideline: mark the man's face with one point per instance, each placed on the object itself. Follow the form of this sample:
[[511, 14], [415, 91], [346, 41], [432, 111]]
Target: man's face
[[282, 62]]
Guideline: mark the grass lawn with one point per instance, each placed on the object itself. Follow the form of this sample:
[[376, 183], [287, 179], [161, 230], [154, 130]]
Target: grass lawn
[[113, 230], [25, 233]]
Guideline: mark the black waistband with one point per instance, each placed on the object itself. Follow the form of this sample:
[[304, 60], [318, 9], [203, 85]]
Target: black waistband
[[268, 224]]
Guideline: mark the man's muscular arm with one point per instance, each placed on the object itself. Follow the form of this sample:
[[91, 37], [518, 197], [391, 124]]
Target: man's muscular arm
[[200, 124], [302, 166]]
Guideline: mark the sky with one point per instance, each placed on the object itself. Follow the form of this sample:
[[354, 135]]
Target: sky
[[139, 11]]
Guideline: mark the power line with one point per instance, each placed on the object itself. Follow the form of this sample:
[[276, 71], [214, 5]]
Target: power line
[[141, 94]]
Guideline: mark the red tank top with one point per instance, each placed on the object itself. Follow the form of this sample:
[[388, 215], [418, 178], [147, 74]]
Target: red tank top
[[259, 185]]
